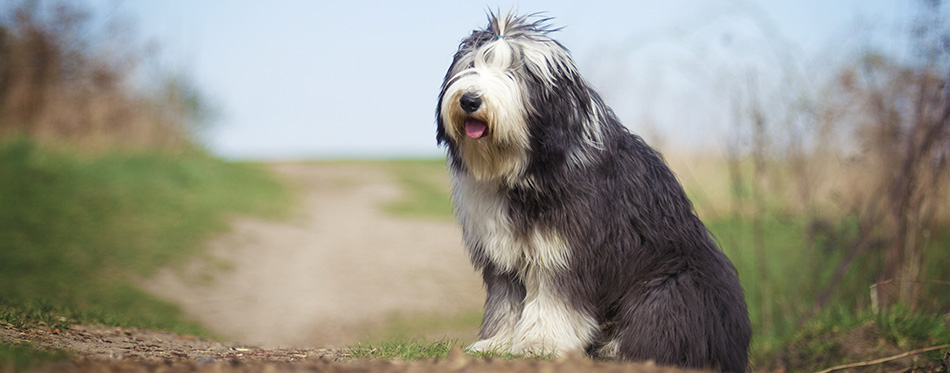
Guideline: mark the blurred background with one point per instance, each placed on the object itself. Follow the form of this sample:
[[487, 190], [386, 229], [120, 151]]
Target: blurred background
[[813, 138]]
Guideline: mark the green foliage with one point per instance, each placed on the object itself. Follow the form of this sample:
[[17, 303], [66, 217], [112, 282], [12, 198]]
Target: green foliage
[[19, 357], [908, 329], [784, 277], [77, 231], [840, 336]]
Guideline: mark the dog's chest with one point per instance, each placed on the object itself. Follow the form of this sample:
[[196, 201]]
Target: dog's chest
[[487, 225]]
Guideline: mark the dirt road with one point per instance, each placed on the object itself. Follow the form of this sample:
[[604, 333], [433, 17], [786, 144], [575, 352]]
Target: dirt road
[[337, 269]]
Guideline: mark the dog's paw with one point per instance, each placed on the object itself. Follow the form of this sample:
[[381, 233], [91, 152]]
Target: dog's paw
[[533, 348], [542, 348], [487, 346]]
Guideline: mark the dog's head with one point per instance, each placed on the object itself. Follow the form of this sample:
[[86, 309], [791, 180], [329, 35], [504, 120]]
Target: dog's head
[[511, 93]]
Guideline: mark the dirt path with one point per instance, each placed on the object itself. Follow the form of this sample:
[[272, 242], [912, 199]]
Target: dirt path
[[338, 268], [105, 349]]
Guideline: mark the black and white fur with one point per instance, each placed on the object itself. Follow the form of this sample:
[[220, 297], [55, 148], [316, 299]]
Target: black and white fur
[[585, 239]]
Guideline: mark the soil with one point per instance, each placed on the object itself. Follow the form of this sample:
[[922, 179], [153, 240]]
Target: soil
[[108, 349]]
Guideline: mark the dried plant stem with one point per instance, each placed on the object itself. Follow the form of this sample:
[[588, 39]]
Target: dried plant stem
[[885, 359]]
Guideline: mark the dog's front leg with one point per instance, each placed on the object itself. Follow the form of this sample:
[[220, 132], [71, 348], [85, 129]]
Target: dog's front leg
[[549, 322], [502, 310]]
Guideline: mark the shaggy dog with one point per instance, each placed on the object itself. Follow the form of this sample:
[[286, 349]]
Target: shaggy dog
[[584, 238]]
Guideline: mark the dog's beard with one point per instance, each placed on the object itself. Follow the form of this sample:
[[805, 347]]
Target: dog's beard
[[492, 142]]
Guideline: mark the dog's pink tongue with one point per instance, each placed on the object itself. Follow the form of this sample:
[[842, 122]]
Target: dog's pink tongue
[[475, 128]]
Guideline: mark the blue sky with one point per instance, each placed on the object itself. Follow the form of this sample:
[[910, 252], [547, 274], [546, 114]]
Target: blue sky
[[310, 79]]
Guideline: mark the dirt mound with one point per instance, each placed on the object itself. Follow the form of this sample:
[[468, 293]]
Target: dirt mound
[[100, 343]]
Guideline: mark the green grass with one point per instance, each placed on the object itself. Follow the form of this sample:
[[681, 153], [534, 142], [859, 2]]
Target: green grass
[[77, 231], [425, 183], [840, 336], [778, 291], [399, 326], [409, 349], [783, 279], [21, 357], [422, 349], [501, 353]]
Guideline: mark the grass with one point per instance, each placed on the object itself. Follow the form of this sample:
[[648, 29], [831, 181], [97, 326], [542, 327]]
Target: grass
[[422, 349], [777, 292], [21, 357], [784, 277], [400, 326], [410, 349], [77, 231], [425, 183], [841, 336]]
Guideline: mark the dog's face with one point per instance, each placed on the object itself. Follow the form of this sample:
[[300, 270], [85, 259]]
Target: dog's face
[[495, 90]]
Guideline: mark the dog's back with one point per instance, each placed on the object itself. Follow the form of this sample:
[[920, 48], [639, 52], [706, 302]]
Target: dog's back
[[665, 290], [682, 303]]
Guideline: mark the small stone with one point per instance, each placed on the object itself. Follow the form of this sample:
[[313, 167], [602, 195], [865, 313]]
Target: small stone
[[207, 360]]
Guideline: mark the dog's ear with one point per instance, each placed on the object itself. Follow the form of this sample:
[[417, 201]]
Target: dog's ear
[[561, 111], [442, 139], [440, 136]]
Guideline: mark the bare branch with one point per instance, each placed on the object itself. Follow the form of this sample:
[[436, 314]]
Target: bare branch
[[884, 360]]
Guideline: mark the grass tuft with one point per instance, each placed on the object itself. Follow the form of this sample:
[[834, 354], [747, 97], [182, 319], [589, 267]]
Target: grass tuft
[[422, 349], [838, 336], [410, 349], [501, 353]]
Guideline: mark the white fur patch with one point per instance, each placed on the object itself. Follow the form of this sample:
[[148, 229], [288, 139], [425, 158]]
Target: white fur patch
[[503, 319], [609, 350], [546, 321], [549, 323], [546, 324], [482, 210]]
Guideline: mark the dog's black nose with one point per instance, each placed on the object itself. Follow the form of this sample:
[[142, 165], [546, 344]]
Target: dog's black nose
[[470, 103]]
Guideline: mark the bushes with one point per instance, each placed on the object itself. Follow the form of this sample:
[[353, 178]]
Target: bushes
[[64, 80]]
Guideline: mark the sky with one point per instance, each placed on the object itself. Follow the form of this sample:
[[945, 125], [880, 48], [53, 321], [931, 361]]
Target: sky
[[297, 79]]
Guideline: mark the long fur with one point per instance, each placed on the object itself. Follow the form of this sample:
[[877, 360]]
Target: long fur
[[584, 238]]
